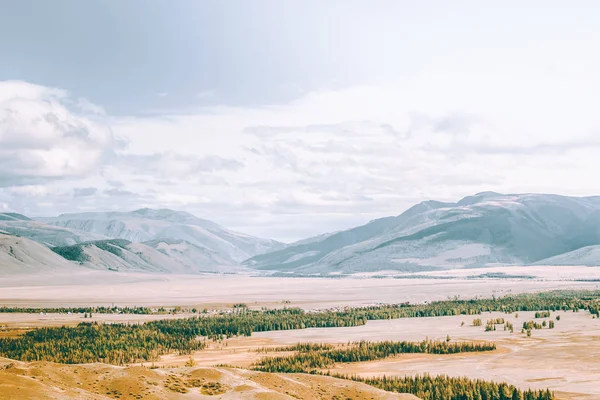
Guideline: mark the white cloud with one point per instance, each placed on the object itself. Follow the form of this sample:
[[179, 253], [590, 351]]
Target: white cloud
[[42, 138], [367, 151], [29, 191], [328, 160]]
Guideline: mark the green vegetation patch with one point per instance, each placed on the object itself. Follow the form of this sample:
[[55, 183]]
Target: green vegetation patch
[[444, 387], [76, 252], [312, 358], [72, 253]]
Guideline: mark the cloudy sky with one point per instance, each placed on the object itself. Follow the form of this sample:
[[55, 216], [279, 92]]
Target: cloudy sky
[[286, 119]]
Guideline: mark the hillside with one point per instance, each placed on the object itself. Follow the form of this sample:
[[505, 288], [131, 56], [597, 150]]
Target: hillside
[[150, 225], [190, 255], [476, 231], [585, 256], [48, 235], [13, 217], [20, 255], [159, 256], [43, 380]]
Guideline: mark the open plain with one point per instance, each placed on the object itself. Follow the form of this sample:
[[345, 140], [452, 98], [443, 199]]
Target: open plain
[[561, 359], [97, 288]]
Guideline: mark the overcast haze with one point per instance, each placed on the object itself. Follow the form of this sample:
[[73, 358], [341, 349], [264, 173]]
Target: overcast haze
[[290, 119]]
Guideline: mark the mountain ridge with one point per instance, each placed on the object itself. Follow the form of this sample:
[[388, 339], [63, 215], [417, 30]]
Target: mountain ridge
[[487, 228], [166, 256], [147, 224], [477, 230]]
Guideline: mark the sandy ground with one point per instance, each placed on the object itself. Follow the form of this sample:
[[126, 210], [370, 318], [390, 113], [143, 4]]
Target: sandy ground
[[564, 359], [97, 288]]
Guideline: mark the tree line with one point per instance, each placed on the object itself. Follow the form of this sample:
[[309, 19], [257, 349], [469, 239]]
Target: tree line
[[311, 358], [544, 301], [444, 387], [92, 342]]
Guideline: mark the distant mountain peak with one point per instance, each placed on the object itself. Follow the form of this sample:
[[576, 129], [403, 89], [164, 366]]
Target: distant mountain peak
[[478, 197], [426, 206], [161, 213], [488, 194]]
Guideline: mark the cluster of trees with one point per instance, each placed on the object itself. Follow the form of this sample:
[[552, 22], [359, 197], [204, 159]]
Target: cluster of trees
[[542, 314], [546, 301], [444, 387], [491, 324], [245, 321], [72, 253], [125, 343], [302, 347], [76, 252], [92, 342], [312, 358], [529, 325]]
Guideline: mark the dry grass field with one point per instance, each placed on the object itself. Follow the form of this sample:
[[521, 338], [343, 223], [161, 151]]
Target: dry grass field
[[41, 380]]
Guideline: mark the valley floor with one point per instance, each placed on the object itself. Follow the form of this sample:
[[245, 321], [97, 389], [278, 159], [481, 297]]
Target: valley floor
[[93, 288], [563, 359]]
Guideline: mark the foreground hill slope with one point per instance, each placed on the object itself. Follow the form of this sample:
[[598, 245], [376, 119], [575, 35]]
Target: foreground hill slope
[[149, 225], [42, 380], [20, 255], [478, 230]]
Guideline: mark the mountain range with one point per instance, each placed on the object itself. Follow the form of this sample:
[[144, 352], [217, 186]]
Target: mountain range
[[487, 228], [144, 240], [480, 230]]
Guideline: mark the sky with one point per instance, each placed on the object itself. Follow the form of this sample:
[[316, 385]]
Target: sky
[[287, 119]]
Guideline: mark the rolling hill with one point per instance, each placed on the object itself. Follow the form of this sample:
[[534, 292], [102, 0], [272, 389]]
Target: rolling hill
[[43, 380], [585, 256], [487, 228], [48, 235], [158, 256], [20, 255], [147, 225], [13, 217]]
